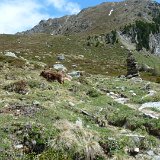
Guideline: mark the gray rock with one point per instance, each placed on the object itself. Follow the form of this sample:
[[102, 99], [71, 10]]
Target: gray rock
[[150, 104], [75, 74], [154, 43], [157, 157], [71, 104], [18, 146], [150, 153], [136, 79], [122, 77], [61, 57], [145, 68], [37, 103], [59, 67], [147, 86], [10, 54]]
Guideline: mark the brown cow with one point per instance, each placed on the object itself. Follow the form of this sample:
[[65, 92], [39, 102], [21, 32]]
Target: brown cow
[[53, 76]]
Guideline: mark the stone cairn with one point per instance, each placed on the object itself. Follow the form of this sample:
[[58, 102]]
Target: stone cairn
[[132, 67]]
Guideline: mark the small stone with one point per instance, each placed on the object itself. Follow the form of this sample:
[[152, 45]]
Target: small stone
[[150, 153], [34, 142], [147, 86], [79, 123], [19, 146], [123, 88], [71, 104], [1, 150], [61, 57], [10, 54], [122, 77], [111, 93], [37, 103], [134, 94]]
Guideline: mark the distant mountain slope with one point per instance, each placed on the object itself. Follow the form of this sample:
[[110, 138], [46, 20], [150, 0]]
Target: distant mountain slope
[[99, 19]]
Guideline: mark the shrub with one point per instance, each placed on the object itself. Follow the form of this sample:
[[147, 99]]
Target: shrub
[[155, 71], [18, 87], [109, 145], [93, 93], [158, 80], [31, 136]]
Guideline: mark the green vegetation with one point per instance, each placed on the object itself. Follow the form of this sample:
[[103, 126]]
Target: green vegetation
[[53, 128], [77, 120]]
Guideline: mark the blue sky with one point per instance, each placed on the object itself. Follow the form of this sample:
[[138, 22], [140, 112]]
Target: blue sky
[[20, 15]]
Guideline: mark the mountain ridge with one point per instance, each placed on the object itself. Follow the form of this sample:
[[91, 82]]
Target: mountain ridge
[[102, 18]]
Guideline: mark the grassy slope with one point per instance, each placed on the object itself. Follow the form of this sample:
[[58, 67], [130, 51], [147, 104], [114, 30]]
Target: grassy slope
[[56, 118], [109, 59]]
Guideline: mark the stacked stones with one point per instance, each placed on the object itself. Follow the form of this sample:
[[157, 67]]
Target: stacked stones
[[132, 67]]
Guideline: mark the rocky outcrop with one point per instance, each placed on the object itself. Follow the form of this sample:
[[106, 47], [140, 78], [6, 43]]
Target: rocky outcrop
[[61, 26], [141, 35], [154, 43]]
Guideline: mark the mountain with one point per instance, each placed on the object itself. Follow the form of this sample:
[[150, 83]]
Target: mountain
[[99, 19], [136, 22]]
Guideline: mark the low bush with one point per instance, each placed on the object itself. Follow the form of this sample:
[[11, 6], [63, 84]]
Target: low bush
[[18, 87], [93, 93]]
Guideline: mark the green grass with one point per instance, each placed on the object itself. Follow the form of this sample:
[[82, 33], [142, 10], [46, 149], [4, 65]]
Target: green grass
[[49, 123]]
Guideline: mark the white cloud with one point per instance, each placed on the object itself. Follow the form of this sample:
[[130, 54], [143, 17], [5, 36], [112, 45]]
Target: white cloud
[[20, 15], [64, 5]]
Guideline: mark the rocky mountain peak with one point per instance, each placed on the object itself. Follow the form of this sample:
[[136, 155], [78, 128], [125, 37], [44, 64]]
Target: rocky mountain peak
[[99, 19]]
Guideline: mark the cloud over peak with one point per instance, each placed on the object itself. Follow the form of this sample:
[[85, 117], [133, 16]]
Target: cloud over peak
[[19, 15]]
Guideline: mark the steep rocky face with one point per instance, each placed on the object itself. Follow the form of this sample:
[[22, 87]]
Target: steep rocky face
[[142, 35], [99, 19], [154, 43]]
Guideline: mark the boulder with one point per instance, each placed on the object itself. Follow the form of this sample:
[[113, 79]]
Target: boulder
[[75, 74], [59, 67], [61, 57], [10, 54]]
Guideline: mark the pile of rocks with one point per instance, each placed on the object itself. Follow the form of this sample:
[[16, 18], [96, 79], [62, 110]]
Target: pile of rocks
[[132, 67]]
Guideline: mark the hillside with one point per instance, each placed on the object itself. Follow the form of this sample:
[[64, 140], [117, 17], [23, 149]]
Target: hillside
[[98, 111], [135, 22], [100, 114], [91, 117]]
